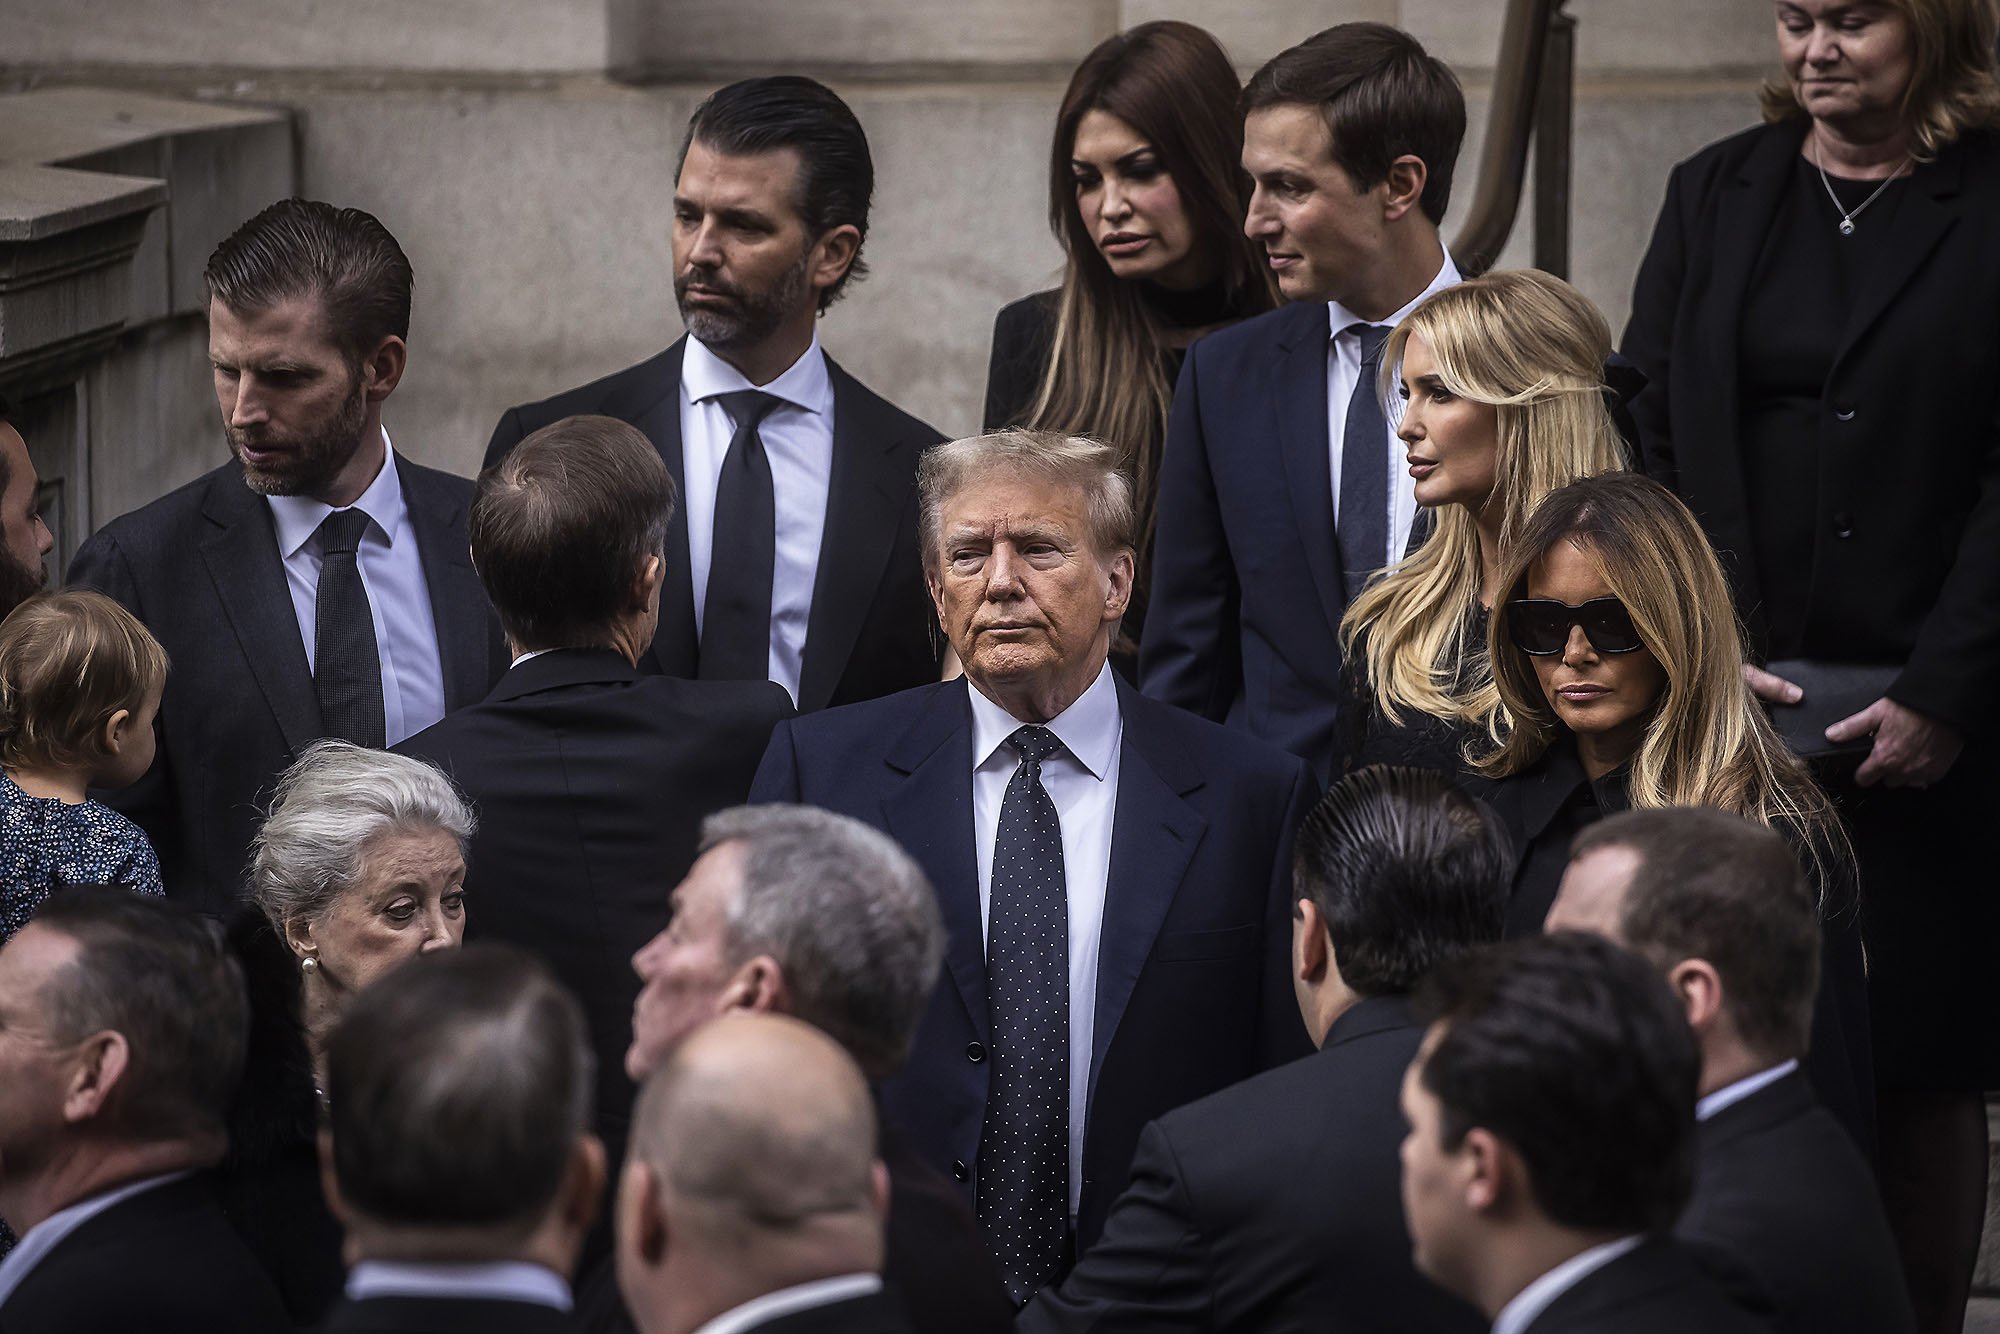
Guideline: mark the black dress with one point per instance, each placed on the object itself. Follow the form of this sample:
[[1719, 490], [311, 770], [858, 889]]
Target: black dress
[[1549, 803], [1363, 734]]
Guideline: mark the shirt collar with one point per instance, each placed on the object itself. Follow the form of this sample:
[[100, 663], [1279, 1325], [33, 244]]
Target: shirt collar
[[1731, 1094], [1537, 1297], [804, 384], [299, 517], [1340, 317], [505, 1280], [1088, 728], [50, 1233], [786, 1301]]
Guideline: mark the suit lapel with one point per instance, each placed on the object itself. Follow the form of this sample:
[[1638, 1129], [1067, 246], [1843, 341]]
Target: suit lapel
[[866, 497], [1154, 833], [653, 404], [1299, 402], [930, 814], [240, 550], [1920, 223], [466, 635]]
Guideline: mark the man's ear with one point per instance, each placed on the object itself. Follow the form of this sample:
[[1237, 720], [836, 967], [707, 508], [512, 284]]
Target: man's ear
[[833, 254], [583, 1189], [101, 1061], [646, 584], [1489, 1170], [1311, 951], [758, 986], [641, 1224], [1698, 987], [1121, 568], [382, 369], [1406, 180]]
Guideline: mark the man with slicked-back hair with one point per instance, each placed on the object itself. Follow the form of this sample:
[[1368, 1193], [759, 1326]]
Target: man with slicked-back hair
[[316, 584]]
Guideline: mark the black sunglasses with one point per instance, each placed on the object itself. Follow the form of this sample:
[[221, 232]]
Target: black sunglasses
[[1540, 626]]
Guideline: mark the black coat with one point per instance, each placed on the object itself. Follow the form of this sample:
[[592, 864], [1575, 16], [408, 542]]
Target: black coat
[[200, 567], [872, 629], [1193, 975], [1780, 1188], [1657, 1288], [591, 782], [164, 1261], [446, 1315], [1245, 1213]]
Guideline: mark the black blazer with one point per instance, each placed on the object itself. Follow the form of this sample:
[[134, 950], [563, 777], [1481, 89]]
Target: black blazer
[[1906, 567], [1193, 975], [1247, 591], [1244, 1213], [445, 1315], [1023, 332], [164, 1261], [877, 1313], [1657, 1288], [591, 782], [870, 631], [1780, 1187], [200, 567]]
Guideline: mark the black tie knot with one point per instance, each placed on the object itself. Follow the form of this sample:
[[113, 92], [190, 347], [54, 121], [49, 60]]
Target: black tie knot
[[340, 532], [1373, 337], [1034, 744], [747, 408]]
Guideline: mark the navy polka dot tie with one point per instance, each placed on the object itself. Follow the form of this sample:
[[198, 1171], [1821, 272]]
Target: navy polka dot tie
[[1023, 1193]]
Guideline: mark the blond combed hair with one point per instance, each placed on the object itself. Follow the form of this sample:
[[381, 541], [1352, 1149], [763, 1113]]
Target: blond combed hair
[[70, 660], [1709, 742], [1532, 347], [1953, 87]]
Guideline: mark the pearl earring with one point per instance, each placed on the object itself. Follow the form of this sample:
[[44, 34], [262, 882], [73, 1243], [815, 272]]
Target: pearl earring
[[309, 964]]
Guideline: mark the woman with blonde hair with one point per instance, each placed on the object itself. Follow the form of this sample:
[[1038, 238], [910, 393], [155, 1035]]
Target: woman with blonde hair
[[1618, 662], [1504, 401]]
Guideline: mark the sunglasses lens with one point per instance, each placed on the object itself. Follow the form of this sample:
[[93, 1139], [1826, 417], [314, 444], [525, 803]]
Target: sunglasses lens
[[1609, 626], [1539, 627]]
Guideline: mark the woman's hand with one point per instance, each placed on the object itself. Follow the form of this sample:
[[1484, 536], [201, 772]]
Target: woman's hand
[[1770, 688], [1911, 750]]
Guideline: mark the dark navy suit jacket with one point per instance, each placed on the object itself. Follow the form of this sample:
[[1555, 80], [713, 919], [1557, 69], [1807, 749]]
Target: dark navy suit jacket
[[1193, 972]]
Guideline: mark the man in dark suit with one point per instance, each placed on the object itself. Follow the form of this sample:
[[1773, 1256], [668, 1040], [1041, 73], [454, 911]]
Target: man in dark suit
[[807, 477], [25, 541], [317, 584], [1720, 906], [1242, 1213], [1282, 485], [457, 1152], [1551, 1143], [122, 1029], [590, 779], [753, 1198], [797, 911], [1113, 873]]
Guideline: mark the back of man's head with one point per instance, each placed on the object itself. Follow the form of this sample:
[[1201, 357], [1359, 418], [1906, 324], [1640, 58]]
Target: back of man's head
[[1706, 884], [752, 1168], [562, 528], [847, 915], [1407, 871], [160, 978], [458, 1093], [1381, 95], [1573, 1053]]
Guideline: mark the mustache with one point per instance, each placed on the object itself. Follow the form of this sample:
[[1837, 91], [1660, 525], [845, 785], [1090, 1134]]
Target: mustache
[[708, 279]]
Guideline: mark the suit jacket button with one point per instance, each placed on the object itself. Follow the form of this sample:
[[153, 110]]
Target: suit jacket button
[[974, 1052], [959, 1171], [1843, 524], [1843, 412]]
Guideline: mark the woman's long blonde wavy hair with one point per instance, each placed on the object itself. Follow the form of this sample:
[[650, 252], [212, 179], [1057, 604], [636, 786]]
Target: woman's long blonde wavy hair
[[1533, 348], [1709, 742]]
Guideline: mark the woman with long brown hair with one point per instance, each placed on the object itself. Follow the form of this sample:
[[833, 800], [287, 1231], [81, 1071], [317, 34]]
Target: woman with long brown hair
[[1146, 195]]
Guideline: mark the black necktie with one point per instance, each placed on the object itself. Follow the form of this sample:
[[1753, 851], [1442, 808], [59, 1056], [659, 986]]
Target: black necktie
[[1023, 1194], [742, 554], [347, 668], [1362, 526]]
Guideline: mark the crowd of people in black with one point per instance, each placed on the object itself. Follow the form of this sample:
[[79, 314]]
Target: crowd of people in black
[[1356, 804]]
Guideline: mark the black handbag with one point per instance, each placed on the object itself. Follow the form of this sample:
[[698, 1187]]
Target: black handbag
[[1833, 690]]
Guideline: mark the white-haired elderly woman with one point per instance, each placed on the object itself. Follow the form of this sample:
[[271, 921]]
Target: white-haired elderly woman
[[359, 865]]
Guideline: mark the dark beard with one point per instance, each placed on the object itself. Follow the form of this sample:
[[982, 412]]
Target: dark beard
[[19, 582], [757, 314], [311, 461]]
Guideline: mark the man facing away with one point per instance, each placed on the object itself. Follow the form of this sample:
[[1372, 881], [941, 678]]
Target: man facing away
[[317, 584], [1113, 873], [794, 556], [1551, 1143], [1720, 907], [1246, 1210], [752, 1200], [1283, 482], [122, 1031], [457, 1150]]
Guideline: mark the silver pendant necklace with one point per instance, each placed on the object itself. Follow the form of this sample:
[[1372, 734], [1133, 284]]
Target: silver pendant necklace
[[1847, 215]]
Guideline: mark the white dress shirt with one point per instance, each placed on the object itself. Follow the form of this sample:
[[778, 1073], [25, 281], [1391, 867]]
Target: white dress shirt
[[50, 1233], [1343, 373], [392, 572], [1536, 1298], [790, 1301], [1731, 1094], [798, 439], [503, 1280], [1082, 781]]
